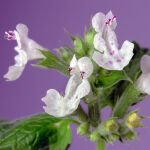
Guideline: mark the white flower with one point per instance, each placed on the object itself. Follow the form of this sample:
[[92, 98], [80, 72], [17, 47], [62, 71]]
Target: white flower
[[108, 55], [77, 88], [27, 50], [143, 82]]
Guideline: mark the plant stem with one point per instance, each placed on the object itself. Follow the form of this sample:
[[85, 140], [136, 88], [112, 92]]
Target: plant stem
[[100, 145], [94, 114]]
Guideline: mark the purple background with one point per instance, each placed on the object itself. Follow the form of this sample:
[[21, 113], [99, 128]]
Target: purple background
[[47, 20]]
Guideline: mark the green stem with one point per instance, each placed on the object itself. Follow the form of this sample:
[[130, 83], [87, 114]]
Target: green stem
[[94, 114], [100, 145]]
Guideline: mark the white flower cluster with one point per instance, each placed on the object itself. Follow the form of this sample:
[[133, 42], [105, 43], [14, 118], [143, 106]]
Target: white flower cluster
[[107, 55]]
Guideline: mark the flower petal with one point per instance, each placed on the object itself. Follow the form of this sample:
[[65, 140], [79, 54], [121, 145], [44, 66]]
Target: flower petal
[[111, 41], [98, 22], [25, 43], [126, 52], [145, 64], [143, 83], [55, 104], [72, 85], [83, 89], [73, 62], [52, 98], [14, 72], [104, 61], [99, 43], [22, 29], [85, 66]]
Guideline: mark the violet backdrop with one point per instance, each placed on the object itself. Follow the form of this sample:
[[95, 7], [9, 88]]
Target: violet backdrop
[[47, 20]]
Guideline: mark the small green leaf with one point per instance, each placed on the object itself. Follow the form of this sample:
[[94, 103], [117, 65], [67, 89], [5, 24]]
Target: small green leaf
[[35, 133], [109, 78], [53, 62]]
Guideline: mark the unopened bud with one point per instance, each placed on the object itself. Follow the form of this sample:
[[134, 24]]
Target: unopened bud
[[111, 125], [79, 46], [95, 136], [83, 129], [133, 121]]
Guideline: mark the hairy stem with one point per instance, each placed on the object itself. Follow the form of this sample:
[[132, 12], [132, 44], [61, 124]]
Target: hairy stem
[[94, 114], [100, 145]]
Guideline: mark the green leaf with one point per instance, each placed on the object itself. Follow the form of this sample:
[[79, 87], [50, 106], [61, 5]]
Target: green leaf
[[63, 136], [53, 62], [5, 125], [65, 54], [128, 97], [107, 79], [35, 133]]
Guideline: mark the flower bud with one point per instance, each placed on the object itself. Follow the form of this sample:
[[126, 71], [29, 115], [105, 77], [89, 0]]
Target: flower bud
[[79, 46], [83, 129], [111, 125], [95, 136], [133, 121]]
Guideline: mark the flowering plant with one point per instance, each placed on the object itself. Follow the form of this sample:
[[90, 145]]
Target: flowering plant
[[100, 74]]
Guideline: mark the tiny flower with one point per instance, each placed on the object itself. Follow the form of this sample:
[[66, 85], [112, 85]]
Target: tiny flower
[[77, 88], [27, 49], [108, 55], [60, 106], [143, 82], [133, 120]]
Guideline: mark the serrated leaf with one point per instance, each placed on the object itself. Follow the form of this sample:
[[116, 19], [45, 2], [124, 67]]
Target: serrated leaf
[[64, 137], [33, 132], [53, 62]]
